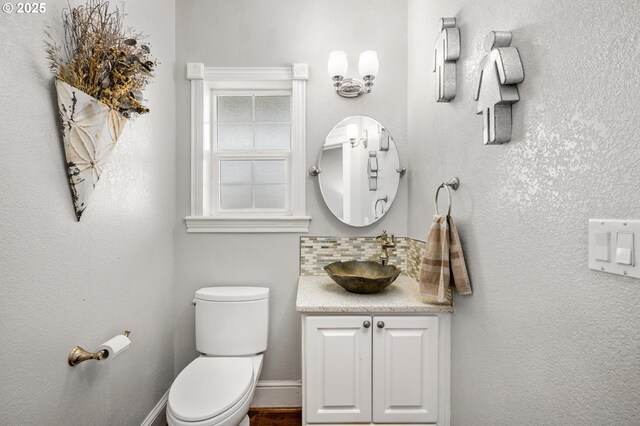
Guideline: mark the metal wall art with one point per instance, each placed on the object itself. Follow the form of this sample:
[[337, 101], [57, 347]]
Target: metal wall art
[[445, 54], [372, 170], [496, 90]]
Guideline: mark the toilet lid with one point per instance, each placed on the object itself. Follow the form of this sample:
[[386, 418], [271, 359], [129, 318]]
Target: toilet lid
[[232, 294], [209, 386]]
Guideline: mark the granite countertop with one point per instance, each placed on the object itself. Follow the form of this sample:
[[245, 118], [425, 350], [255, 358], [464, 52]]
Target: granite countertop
[[321, 295]]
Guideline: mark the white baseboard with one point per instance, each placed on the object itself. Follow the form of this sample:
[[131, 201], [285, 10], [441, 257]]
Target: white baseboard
[[157, 416], [269, 393], [278, 393]]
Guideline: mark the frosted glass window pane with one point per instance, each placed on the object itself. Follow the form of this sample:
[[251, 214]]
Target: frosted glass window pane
[[233, 171], [272, 108], [272, 136], [270, 196], [235, 136], [235, 196], [269, 171], [235, 108]]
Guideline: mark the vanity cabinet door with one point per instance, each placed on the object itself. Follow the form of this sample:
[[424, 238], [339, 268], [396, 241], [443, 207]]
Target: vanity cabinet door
[[338, 369], [405, 369]]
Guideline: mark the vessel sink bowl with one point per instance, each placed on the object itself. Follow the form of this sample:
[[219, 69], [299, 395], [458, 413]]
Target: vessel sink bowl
[[362, 276]]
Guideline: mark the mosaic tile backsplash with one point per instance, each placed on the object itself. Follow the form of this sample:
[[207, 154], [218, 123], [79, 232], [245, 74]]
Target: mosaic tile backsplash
[[413, 258], [316, 252]]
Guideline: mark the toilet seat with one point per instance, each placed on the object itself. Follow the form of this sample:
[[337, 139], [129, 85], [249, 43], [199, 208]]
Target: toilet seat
[[211, 388]]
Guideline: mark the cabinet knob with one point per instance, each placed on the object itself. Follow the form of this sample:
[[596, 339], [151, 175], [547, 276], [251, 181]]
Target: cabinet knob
[[366, 324], [380, 324]]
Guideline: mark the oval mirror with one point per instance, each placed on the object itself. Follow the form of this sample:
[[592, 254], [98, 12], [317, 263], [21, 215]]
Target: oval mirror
[[359, 163]]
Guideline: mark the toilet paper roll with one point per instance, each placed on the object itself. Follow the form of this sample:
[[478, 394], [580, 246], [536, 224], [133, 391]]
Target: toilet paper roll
[[115, 346]]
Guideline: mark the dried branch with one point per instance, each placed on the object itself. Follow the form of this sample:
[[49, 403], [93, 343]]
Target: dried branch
[[102, 57]]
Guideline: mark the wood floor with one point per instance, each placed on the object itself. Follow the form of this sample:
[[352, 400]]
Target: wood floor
[[275, 416]]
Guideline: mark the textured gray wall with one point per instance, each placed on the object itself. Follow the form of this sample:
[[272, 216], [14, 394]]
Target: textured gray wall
[[543, 340], [65, 283], [278, 33]]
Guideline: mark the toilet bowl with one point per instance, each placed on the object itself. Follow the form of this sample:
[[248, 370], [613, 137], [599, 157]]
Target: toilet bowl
[[214, 391], [231, 333]]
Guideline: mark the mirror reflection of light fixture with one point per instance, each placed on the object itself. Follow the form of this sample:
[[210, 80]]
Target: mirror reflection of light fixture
[[352, 135], [352, 87]]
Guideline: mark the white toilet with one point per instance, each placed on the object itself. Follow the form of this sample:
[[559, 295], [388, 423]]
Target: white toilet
[[231, 333]]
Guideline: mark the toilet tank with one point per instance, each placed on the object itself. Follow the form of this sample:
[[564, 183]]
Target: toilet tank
[[232, 321]]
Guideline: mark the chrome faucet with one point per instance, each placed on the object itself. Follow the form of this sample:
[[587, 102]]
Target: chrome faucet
[[385, 245]]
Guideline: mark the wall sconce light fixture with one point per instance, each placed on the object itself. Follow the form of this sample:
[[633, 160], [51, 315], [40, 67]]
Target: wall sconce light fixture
[[352, 135], [352, 87]]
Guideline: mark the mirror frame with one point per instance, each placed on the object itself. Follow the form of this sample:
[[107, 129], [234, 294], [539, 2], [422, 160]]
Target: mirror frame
[[386, 200]]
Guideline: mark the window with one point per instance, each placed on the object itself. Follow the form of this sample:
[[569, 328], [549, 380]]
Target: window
[[248, 137], [251, 153]]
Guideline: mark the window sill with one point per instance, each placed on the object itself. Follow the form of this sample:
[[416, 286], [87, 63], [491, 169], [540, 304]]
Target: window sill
[[247, 224]]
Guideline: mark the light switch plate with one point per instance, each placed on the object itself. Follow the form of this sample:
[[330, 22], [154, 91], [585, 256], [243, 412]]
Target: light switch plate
[[602, 247], [624, 248], [620, 238]]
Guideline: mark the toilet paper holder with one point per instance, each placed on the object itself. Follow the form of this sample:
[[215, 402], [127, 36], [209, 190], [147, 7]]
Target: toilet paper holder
[[79, 354]]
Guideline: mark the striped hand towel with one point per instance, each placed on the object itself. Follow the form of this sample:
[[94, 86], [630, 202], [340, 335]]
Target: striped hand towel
[[443, 263]]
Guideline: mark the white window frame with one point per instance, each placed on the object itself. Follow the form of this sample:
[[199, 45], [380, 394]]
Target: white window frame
[[223, 80]]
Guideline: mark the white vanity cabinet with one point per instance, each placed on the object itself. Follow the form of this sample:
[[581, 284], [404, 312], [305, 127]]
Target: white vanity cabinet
[[405, 369], [373, 359], [337, 369], [375, 369]]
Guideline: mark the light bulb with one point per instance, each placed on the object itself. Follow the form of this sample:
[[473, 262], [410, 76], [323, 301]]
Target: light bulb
[[352, 132], [368, 64], [338, 64]]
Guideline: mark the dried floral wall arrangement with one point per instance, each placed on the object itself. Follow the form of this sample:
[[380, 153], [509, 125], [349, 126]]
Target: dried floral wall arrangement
[[100, 68]]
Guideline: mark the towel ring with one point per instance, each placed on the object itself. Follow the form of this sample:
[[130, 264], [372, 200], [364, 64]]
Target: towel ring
[[452, 184]]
